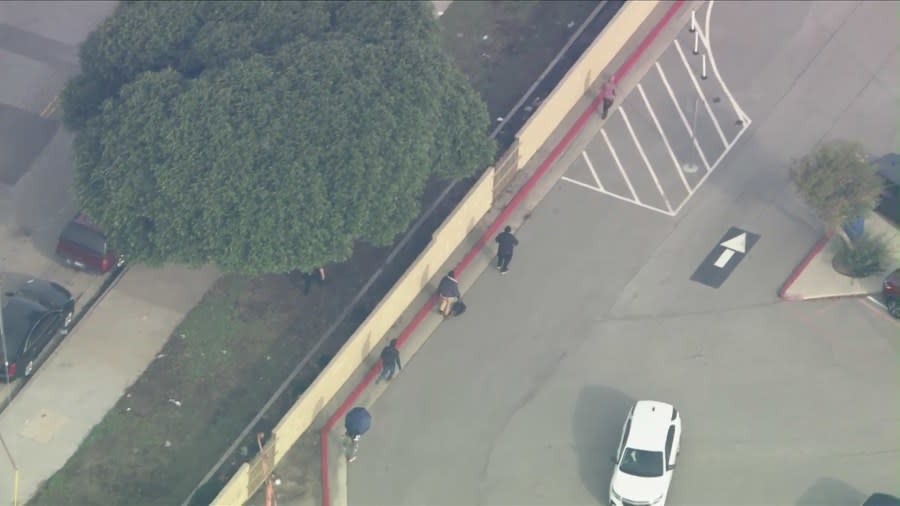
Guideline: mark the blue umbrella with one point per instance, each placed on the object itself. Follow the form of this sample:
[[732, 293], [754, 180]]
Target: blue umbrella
[[357, 421]]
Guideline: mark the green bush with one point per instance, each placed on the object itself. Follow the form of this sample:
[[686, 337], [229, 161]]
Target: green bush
[[867, 256]]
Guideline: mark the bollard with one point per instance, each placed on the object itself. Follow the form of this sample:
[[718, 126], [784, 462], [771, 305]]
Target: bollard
[[696, 42], [693, 22], [703, 67]]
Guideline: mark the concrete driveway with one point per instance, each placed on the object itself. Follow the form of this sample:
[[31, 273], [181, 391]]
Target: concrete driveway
[[521, 400]]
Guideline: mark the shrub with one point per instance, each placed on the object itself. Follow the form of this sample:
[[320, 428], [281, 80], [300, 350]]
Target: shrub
[[867, 256]]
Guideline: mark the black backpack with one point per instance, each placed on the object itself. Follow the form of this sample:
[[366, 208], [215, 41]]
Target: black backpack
[[459, 307]]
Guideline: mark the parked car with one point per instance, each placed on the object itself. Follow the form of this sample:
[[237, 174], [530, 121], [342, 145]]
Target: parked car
[[890, 292], [879, 499], [646, 456], [84, 246], [33, 314], [889, 170]]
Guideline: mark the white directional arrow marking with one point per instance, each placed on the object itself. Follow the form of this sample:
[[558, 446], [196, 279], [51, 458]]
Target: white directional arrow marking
[[737, 244]]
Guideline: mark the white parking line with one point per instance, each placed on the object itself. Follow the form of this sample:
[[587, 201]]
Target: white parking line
[[640, 149], [700, 93], [591, 167], [664, 138], [662, 76], [716, 164], [704, 36], [579, 183], [618, 197], [612, 151]]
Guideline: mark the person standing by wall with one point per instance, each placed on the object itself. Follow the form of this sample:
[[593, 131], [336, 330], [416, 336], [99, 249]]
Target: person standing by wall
[[507, 242], [390, 362], [608, 92], [316, 276], [448, 289]]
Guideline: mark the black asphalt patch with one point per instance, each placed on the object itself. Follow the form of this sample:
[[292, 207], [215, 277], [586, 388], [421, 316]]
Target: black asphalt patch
[[725, 257], [23, 135]]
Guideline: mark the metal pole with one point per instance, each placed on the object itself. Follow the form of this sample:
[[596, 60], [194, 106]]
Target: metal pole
[[696, 42], [703, 68], [693, 21], [3, 341]]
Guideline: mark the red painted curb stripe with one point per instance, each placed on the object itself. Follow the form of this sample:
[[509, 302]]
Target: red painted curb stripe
[[819, 246], [485, 239]]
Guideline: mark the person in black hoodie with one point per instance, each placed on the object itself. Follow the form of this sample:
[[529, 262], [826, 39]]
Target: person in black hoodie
[[507, 242], [390, 362]]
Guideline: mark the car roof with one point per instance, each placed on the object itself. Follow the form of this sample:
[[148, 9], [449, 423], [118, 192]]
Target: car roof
[[650, 422], [19, 316]]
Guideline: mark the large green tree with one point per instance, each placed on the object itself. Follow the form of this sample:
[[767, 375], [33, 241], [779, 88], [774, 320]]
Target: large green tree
[[266, 136]]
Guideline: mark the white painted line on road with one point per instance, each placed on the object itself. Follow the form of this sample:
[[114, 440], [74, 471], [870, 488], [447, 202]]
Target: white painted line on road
[[716, 164], [619, 163], [617, 196], [877, 302], [712, 116], [662, 76], [664, 138], [712, 62], [579, 183], [591, 167], [637, 144]]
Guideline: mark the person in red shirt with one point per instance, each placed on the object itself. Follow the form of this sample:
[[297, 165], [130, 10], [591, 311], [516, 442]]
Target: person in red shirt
[[608, 92]]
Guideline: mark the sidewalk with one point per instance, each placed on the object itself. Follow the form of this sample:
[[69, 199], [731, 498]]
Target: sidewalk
[[815, 278], [91, 369]]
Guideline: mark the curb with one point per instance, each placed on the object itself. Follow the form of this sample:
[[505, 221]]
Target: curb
[[484, 240], [816, 249]]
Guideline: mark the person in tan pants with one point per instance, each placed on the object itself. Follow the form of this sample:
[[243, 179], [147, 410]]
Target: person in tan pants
[[448, 289]]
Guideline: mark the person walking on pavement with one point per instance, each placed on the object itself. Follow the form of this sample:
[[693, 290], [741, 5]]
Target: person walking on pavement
[[317, 276], [608, 92], [357, 421], [507, 242], [390, 362], [448, 289]]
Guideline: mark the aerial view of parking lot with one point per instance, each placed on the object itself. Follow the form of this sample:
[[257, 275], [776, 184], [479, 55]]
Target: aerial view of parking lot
[[602, 252]]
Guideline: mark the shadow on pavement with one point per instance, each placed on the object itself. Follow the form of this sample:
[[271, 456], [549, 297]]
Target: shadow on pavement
[[596, 428], [830, 492]]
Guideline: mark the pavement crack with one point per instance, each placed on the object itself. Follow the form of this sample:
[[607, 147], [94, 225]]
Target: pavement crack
[[538, 382]]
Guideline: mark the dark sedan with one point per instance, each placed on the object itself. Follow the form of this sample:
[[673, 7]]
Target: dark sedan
[[33, 313]]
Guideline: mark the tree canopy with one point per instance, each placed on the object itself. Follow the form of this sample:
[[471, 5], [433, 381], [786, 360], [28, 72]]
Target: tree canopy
[[266, 136], [837, 181]]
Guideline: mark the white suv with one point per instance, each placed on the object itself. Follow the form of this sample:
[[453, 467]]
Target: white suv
[[646, 455]]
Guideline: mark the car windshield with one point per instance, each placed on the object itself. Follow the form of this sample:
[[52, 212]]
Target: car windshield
[[86, 237], [642, 463]]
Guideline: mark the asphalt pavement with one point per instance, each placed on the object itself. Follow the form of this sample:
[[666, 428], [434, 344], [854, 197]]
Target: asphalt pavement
[[521, 400]]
